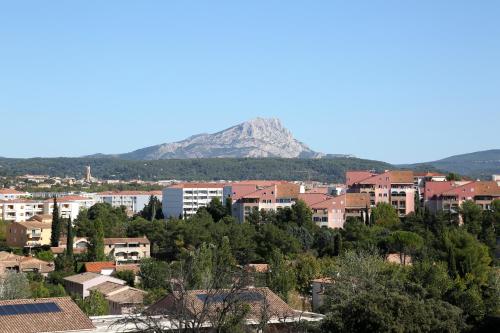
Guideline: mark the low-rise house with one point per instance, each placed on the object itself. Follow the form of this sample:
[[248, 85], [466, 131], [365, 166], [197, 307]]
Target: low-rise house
[[13, 262], [127, 250], [32, 233], [80, 284], [58, 314], [122, 299], [205, 306], [100, 267]]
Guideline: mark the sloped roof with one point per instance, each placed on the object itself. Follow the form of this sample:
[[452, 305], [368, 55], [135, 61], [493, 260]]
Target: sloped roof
[[197, 301], [70, 318], [111, 241], [128, 296], [401, 176], [83, 277], [357, 200], [98, 266], [108, 287]]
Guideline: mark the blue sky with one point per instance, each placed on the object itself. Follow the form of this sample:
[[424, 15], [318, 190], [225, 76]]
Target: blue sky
[[399, 81]]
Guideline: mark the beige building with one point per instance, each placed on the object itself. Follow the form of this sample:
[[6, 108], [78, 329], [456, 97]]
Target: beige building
[[12, 262], [127, 250], [122, 299], [32, 233]]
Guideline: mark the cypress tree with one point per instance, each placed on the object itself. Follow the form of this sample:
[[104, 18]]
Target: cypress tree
[[69, 242], [229, 206], [56, 225], [367, 214], [337, 244], [97, 242]]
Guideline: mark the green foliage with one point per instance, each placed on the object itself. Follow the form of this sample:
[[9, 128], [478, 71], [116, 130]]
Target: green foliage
[[281, 278], [307, 268], [453, 176], [153, 210], [3, 231], [216, 209], [154, 274], [126, 275], [94, 305], [385, 215], [69, 238], [96, 248], [14, 285], [56, 225], [472, 216], [45, 255], [113, 219], [405, 243]]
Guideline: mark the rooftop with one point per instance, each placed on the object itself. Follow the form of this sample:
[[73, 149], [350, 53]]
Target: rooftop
[[59, 314], [83, 277]]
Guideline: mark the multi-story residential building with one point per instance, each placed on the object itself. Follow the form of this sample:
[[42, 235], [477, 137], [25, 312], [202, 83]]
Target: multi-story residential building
[[69, 206], [10, 194], [183, 200], [127, 250], [332, 211], [133, 201], [261, 195], [449, 196], [31, 233], [394, 187], [20, 210]]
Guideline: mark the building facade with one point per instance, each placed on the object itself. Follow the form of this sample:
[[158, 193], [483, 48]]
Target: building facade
[[31, 233], [133, 201], [184, 200]]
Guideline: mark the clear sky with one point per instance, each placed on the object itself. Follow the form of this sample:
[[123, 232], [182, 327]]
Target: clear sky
[[399, 81]]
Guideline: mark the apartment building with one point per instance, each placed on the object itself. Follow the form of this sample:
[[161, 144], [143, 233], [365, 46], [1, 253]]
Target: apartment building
[[450, 195], [69, 206], [332, 211], [127, 250], [20, 210], [183, 200], [133, 201], [394, 187], [11, 194], [262, 195], [32, 233]]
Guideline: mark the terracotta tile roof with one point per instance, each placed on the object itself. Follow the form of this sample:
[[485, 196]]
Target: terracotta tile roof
[[136, 268], [428, 174], [401, 177], [70, 318], [83, 277], [21, 200], [487, 188], [35, 225], [60, 250], [258, 300], [42, 218], [313, 198], [357, 200], [433, 189], [111, 241], [98, 266], [69, 198], [353, 177], [128, 193], [11, 191], [108, 287], [31, 263], [128, 296], [322, 190], [287, 190], [197, 185], [257, 268]]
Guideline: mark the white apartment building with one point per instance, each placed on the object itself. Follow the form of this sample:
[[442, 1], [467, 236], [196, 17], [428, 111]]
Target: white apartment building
[[20, 210], [133, 201], [185, 199], [10, 194]]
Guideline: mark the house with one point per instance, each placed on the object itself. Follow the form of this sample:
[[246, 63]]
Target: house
[[261, 195], [319, 288], [103, 267], [80, 245], [12, 262], [122, 299], [395, 187], [194, 304], [133, 201], [32, 233], [80, 284], [127, 250], [57, 314], [183, 200]]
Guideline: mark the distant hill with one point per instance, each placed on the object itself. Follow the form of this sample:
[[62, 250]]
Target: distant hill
[[325, 170], [481, 164], [258, 137]]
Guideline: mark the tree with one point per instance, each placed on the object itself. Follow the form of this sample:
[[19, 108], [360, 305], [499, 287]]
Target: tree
[[56, 225], [453, 176], [307, 268], [96, 248], [385, 215], [153, 274], [229, 206], [45, 255], [280, 278], [405, 243], [69, 239], [14, 285], [337, 250], [94, 305], [126, 275], [216, 209], [472, 217], [153, 210]]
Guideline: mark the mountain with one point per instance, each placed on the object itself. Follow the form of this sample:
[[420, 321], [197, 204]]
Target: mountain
[[480, 164], [256, 138]]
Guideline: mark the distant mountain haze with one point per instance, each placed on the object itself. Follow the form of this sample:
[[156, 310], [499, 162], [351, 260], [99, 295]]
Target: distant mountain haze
[[255, 138]]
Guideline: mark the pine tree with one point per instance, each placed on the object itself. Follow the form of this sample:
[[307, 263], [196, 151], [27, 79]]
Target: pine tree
[[56, 225], [69, 242]]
